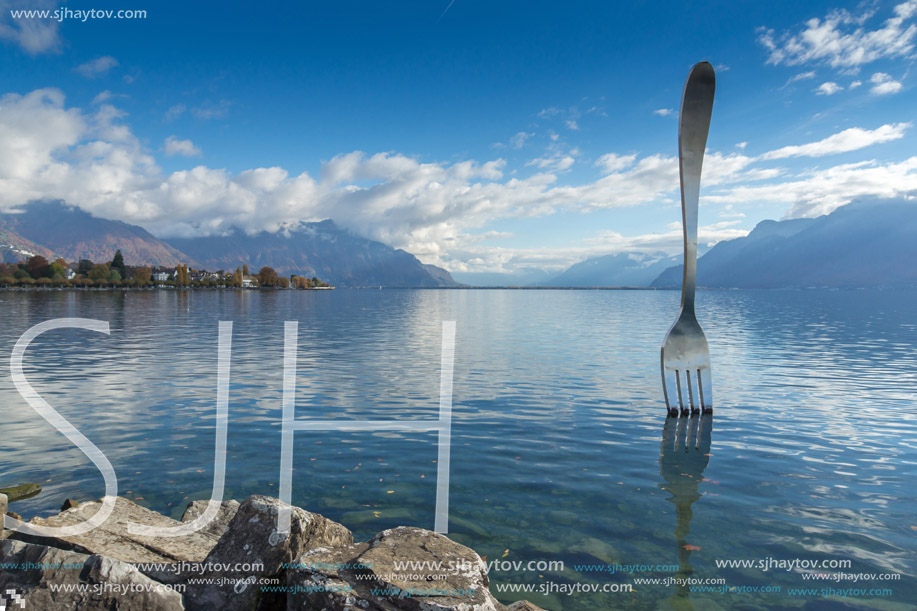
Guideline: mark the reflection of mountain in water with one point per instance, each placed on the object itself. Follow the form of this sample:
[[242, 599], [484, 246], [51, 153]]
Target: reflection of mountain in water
[[684, 455]]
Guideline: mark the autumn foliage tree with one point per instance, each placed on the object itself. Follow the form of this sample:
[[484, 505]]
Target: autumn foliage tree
[[143, 275], [37, 266], [267, 277]]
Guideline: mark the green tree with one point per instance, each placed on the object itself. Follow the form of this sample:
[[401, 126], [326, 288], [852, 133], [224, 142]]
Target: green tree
[[84, 266], [114, 275], [117, 264], [56, 269], [244, 269], [99, 273]]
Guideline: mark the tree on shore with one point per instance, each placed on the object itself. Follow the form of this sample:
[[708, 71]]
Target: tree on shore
[[117, 264], [267, 277], [143, 275], [37, 267], [99, 273]]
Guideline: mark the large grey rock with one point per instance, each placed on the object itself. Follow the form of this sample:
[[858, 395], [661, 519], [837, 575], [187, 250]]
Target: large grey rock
[[112, 538], [217, 527], [251, 539], [523, 605], [107, 583], [364, 576]]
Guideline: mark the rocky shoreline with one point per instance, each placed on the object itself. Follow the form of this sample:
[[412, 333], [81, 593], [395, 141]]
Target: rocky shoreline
[[238, 562]]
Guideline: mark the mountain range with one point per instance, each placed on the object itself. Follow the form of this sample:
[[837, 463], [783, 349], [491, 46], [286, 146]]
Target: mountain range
[[320, 249], [865, 244], [323, 249], [622, 269], [53, 229]]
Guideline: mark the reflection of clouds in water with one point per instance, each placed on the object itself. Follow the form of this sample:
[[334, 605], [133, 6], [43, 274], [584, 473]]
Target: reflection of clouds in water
[[552, 390]]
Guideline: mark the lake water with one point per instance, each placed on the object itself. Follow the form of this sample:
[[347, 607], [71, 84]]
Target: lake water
[[558, 426]]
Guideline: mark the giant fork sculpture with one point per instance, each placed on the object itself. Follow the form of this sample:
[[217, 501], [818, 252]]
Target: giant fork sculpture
[[686, 379]]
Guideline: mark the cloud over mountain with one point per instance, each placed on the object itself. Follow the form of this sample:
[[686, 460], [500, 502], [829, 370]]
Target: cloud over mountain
[[91, 158]]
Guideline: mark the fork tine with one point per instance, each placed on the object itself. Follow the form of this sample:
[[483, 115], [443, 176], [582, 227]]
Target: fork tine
[[691, 399], [706, 386], [670, 390], [682, 403]]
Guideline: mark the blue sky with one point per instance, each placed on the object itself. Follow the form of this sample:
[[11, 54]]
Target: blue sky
[[491, 136]]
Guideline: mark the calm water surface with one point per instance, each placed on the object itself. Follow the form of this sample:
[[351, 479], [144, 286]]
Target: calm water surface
[[560, 445]]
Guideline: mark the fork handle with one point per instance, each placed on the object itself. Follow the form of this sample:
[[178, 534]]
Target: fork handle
[[693, 126]]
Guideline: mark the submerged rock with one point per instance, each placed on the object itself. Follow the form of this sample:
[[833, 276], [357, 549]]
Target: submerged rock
[[109, 583], [20, 492]]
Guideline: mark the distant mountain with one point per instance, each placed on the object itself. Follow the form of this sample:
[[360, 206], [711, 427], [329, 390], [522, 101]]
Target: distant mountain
[[440, 275], [526, 276], [54, 229], [14, 247], [319, 249], [858, 245], [623, 269]]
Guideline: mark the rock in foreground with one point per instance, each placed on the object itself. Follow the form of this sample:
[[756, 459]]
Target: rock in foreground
[[113, 540], [240, 563], [63, 580]]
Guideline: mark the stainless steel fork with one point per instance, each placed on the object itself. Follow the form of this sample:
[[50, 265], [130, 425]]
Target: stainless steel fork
[[685, 356]]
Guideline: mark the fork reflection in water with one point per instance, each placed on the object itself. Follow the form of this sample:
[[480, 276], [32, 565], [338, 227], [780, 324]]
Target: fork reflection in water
[[684, 455]]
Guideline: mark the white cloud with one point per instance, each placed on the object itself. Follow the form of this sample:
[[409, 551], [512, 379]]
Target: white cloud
[[33, 35], [741, 145], [828, 88], [185, 148], [557, 163], [842, 142], [102, 96], [802, 76], [97, 67], [612, 162], [175, 112], [210, 110], [664, 112], [855, 84], [434, 210], [841, 41], [884, 84], [572, 124], [518, 141], [822, 191]]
